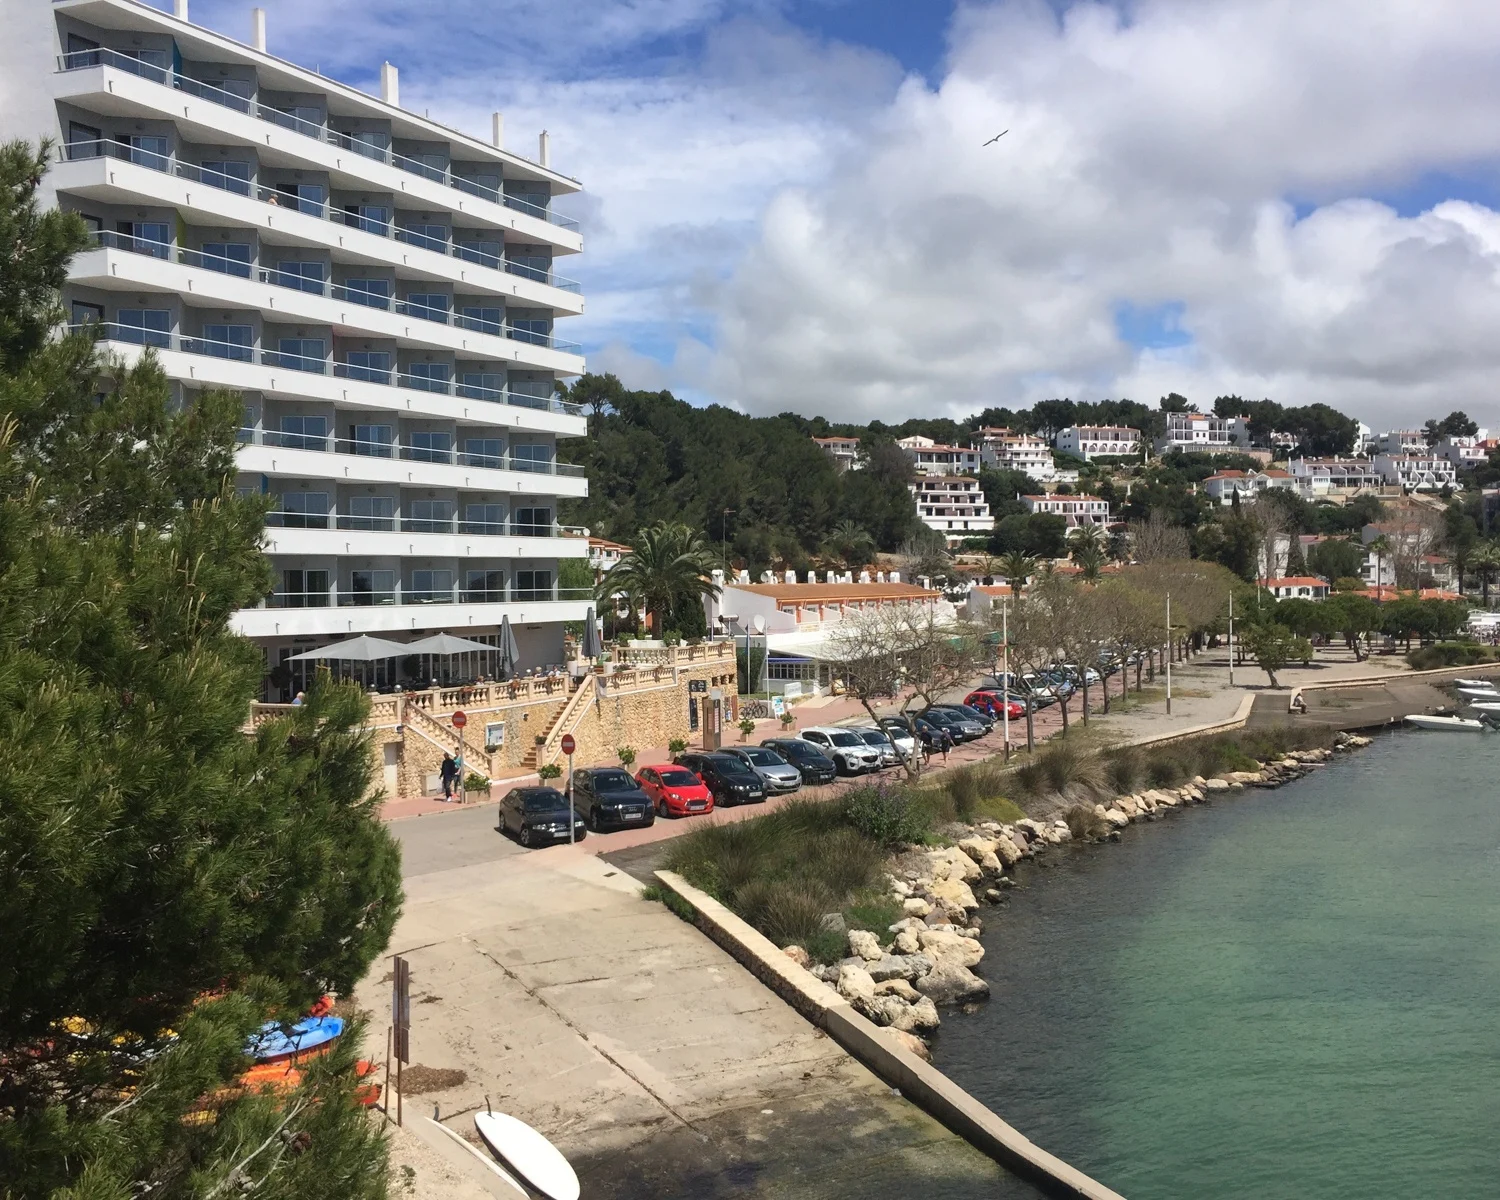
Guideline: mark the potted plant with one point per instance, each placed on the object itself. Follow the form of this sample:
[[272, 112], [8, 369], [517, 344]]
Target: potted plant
[[676, 746], [787, 720], [548, 772], [747, 727], [476, 788], [626, 755]]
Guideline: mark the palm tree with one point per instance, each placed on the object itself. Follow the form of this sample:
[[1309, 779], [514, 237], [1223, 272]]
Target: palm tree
[[1089, 560], [670, 565], [851, 543], [1380, 547], [1485, 558], [1017, 567], [1087, 537]]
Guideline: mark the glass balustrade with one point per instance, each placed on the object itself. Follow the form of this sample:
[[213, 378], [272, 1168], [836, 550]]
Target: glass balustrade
[[358, 143], [252, 436]]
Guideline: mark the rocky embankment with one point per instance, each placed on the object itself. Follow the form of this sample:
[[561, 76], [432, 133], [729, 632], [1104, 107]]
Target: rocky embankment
[[898, 977]]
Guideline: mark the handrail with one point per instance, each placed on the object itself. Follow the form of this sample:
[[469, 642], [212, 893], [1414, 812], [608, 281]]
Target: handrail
[[83, 59], [252, 436], [236, 268], [397, 594], [209, 348], [453, 526], [169, 165]]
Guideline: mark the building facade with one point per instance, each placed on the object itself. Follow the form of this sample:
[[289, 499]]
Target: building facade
[[933, 458], [1076, 510], [953, 505], [843, 450], [1424, 472], [1007, 450], [1398, 441], [1204, 433], [1224, 486], [379, 290], [1089, 442], [1333, 476]]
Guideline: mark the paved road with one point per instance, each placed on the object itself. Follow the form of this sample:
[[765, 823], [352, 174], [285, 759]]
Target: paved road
[[462, 837]]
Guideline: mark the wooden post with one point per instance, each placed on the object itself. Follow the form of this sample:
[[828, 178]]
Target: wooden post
[[386, 1107]]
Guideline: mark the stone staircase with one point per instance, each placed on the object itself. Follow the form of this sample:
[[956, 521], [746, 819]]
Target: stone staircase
[[563, 721]]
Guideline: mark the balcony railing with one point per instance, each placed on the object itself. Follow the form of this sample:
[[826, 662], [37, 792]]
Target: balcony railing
[[238, 352], [393, 524], [251, 436], [321, 209], [348, 597], [83, 59]]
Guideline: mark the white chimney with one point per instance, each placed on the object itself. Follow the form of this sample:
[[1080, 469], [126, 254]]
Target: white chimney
[[864, 577], [791, 576], [879, 576], [894, 577], [179, 9], [544, 150], [390, 84], [717, 576], [767, 577], [497, 130], [743, 576], [258, 29]]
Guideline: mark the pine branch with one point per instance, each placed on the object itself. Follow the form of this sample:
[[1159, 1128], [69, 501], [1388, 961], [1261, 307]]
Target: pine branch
[[233, 1178]]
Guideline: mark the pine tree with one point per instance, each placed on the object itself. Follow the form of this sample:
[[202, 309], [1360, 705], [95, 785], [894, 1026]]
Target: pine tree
[[167, 882]]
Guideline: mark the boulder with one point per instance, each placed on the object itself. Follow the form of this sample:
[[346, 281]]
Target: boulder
[[906, 943], [833, 922], [955, 893], [911, 923], [798, 955], [949, 983], [982, 852], [960, 865], [1217, 785], [1007, 851], [865, 945], [945, 948], [1061, 831], [900, 966], [900, 888], [911, 1043], [1035, 827], [1116, 818], [882, 1010], [921, 1014], [915, 906], [854, 983], [898, 987], [1128, 805]]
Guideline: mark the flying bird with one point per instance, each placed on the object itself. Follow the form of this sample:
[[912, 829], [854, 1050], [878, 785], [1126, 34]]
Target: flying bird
[[996, 138]]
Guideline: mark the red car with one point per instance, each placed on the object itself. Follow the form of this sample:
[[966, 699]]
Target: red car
[[990, 702], [674, 790]]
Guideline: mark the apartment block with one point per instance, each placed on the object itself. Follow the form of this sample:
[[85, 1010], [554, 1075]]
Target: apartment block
[[1076, 510], [1204, 433], [380, 290], [933, 458], [1089, 442], [953, 505], [1007, 450]]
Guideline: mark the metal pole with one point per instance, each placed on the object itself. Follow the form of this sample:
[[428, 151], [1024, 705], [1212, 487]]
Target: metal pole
[[1005, 672], [386, 1107], [572, 832], [1169, 654], [1231, 639]]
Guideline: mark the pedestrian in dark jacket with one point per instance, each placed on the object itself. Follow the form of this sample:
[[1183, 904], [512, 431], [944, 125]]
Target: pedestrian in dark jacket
[[450, 776]]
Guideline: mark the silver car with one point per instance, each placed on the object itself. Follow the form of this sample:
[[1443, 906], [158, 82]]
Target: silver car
[[778, 775], [879, 740]]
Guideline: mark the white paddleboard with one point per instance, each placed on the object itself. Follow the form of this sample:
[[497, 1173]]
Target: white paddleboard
[[487, 1162], [531, 1156]]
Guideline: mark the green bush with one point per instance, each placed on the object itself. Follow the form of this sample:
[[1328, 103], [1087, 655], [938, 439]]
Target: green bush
[[1060, 765], [1451, 654], [1166, 768], [1124, 769], [874, 912], [475, 782], [889, 817]]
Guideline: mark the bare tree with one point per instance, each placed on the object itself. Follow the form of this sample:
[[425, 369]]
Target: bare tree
[[925, 553], [1156, 538], [906, 653], [1051, 625], [1411, 537], [1127, 621]]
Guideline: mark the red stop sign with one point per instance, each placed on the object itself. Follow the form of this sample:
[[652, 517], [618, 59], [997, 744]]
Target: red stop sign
[[459, 720], [568, 744]]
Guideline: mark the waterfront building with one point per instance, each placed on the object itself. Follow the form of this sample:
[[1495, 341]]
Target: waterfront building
[[1075, 510], [1089, 442], [1007, 450], [379, 289], [843, 450], [1204, 433], [953, 505], [933, 458]]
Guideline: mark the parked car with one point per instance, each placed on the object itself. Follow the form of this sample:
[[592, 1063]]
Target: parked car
[[675, 791], [961, 729], [880, 741], [845, 747], [1076, 674], [609, 797], [729, 779], [935, 740], [992, 703], [537, 815], [967, 712], [814, 766], [775, 772], [898, 739]]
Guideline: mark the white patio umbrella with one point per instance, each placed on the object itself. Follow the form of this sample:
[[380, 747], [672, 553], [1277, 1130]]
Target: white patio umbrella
[[446, 643], [360, 649]]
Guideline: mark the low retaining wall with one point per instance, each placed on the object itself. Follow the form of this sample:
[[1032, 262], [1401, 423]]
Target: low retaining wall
[[1238, 721], [1435, 675], [919, 1082]]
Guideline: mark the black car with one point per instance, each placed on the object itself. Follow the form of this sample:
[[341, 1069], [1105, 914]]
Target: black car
[[537, 815], [967, 712], [815, 766], [607, 797], [960, 729], [935, 740], [729, 779]]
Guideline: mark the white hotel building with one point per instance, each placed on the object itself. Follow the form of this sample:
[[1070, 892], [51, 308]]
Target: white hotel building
[[378, 288]]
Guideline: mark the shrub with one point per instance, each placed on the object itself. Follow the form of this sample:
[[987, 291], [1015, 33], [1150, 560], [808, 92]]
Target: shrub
[[672, 900], [1165, 768], [548, 771], [1124, 769], [747, 727], [1450, 654], [1061, 765], [846, 861], [790, 911], [475, 782], [788, 719], [969, 788], [676, 746], [874, 912], [1084, 823], [626, 755], [888, 816]]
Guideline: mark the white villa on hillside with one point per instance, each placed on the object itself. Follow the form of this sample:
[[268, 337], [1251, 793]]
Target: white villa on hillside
[[1424, 472], [1076, 510], [933, 458], [953, 505], [1006, 450], [1089, 442], [1224, 486], [843, 450], [1204, 433], [1317, 477]]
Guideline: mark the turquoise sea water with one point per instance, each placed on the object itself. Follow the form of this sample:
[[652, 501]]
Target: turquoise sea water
[[1291, 993]]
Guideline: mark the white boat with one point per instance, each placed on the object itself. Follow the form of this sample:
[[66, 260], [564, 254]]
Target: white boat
[[1474, 693], [1452, 724], [537, 1161], [1475, 683], [1488, 706]]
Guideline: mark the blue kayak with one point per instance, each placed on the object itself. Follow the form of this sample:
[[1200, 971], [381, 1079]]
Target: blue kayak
[[273, 1042]]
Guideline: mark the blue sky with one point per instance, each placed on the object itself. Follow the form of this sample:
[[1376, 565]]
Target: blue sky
[[788, 206]]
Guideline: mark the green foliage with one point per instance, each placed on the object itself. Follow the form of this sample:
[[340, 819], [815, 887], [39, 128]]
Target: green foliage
[[150, 851], [664, 894], [1059, 766], [1275, 647], [548, 771], [1036, 535], [1335, 558], [1084, 823], [475, 782], [876, 912], [1451, 654], [889, 817], [666, 572], [972, 789], [677, 746], [626, 755]]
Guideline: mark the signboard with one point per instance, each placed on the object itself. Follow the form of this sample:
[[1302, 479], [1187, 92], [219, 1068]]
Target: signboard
[[697, 685], [778, 706], [494, 735], [792, 689], [460, 719], [401, 1008], [568, 744]]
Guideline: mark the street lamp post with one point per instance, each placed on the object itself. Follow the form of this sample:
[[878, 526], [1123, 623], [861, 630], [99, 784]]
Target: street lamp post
[[1169, 654], [1231, 639], [1005, 672]]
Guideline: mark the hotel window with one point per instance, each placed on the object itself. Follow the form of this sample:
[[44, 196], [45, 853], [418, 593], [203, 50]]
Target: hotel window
[[431, 587], [484, 587], [303, 510], [228, 258], [533, 585], [371, 587], [144, 326], [304, 433], [369, 512], [430, 447], [428, 516]]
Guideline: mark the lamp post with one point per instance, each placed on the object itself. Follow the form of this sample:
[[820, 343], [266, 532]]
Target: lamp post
[[1005, 672], [1231, 639], [1169, 654], [724, 539]]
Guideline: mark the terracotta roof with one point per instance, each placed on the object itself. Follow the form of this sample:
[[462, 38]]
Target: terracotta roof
[[1297, 581], [1276, 473], [598, 543], [827, 593], [1226, 475], [938, 448], [994, 589]]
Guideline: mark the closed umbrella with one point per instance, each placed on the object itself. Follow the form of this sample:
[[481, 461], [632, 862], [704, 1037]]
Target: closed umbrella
[[360, 649], [510, 653], [591, 645]]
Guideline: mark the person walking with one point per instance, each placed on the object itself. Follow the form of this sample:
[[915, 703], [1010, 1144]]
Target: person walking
[[450, 776]]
